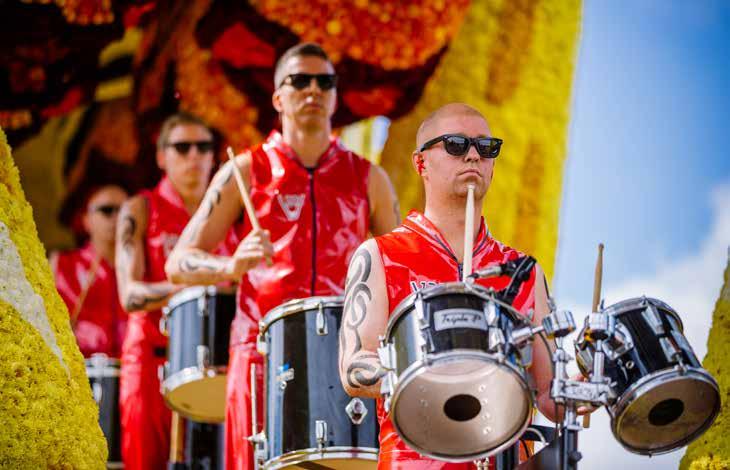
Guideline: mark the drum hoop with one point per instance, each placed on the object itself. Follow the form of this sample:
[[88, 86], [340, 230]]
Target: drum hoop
[[185, 376], [312, 454], [624, 306], [444, 289], [296, 306], [195, 292], [416, 369], [666, 375]]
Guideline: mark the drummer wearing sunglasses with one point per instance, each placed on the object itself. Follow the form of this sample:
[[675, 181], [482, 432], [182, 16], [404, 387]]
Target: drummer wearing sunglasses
[[454, 149], [316, 202], [150, 224]]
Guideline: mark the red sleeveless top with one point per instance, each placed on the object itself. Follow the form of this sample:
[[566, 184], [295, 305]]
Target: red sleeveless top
[[101, 321], [317, 218], [416, 255]]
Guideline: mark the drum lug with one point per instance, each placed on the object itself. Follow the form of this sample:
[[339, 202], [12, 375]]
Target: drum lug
[[386, 355], [671, 352], [203, 305], [320, 429], [98, 392], [652, 317], [261, 346], [203, 356], [496, 339], [260, 448], [321, 320], [491, 314], [387, 384], [163, 321], [356, 410]]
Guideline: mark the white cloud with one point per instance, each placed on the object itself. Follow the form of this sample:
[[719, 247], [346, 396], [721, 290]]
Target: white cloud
[[691, 285]]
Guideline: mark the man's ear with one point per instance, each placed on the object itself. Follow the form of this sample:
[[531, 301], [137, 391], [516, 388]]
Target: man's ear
[[418, 162], [160, 158], [276, 101]]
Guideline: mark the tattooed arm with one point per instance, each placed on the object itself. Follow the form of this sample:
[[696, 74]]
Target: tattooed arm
[[191, 261], [364, 318], [384, 208], [134, 294]]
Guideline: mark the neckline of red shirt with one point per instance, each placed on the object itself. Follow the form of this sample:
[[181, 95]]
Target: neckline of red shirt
[[419, 223], [276, 141], [170, 194]]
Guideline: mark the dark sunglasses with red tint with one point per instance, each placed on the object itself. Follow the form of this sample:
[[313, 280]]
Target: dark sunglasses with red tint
[[183, 147], [458, 145], [107, 209], [300, 81]]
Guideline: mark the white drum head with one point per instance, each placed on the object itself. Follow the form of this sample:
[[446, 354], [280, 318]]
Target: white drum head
[[461, 406], [197, 395]]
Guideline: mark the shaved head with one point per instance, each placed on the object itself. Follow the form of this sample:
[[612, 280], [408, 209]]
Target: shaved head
[[429, 127]]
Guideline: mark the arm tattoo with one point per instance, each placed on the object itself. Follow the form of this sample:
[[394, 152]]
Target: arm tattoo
[[199, 262], [364, 373], [357, 295], [144, 295], [129, 227], [212, 199]]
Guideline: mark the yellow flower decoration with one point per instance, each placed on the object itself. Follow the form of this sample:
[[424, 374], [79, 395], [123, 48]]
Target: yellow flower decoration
[[48, 418], [712, 450], [513, 61]]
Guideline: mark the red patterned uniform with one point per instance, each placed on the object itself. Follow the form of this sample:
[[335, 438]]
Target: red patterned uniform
[[101, 321], [145, 418], [417, 255], [317, 218]]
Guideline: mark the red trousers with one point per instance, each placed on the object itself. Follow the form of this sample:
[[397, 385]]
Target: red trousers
[[239, 451], [145, 419]]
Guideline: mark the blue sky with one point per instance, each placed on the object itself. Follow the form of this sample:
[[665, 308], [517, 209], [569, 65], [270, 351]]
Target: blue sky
[[648, 137], [648, 173]]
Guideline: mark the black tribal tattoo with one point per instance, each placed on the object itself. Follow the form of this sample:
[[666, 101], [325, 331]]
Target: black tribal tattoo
[[367, 374], [357, 295]]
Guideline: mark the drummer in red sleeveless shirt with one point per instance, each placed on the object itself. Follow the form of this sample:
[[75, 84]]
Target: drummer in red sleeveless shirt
[[150, 224], [316, 202], [86, 281], [427, 249]]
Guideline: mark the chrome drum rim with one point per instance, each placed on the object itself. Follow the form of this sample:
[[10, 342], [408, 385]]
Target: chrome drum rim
[[327, 453]]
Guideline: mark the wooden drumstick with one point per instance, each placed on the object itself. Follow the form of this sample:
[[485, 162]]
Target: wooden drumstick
[[597, 280], [468, 232], [244, 192], [177, 439], [245, 196]]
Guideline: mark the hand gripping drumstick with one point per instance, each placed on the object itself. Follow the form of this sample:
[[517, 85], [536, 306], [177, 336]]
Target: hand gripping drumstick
[[596, 300], [244, 195], [468, 232]]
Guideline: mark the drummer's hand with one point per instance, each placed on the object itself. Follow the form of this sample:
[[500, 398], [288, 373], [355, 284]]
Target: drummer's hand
[[585, 409], [250, 252]]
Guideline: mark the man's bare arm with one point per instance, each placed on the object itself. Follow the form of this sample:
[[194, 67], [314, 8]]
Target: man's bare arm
[[364, 319], [192, 261], [134, 293], [384, 208]]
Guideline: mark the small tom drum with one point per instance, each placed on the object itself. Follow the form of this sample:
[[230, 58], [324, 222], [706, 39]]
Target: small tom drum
[[309, 420], [665, 398], [457, 389], [198, 321], [103, 373]]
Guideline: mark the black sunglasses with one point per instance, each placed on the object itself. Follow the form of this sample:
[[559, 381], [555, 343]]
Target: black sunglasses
[[183, 147], [458, 145], [107, 209], [300, 81]]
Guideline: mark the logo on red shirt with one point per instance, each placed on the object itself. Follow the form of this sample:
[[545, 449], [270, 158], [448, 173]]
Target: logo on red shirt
[[292, 205]]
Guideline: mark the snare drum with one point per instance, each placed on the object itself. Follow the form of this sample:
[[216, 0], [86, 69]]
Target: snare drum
[[308, 416], [457, 389], [198, 321], [103, 373], [665, 398]]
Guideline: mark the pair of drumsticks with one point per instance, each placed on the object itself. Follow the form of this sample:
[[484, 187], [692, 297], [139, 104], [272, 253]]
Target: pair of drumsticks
[[467, 267]]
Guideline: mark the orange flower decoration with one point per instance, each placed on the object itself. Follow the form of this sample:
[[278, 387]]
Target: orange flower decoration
[[390, 34]]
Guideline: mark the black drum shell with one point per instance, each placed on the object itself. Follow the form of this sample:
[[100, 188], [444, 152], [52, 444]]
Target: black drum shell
[[187, 328], [647, 356], [314, 392], [405, 329], [104, 375]]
